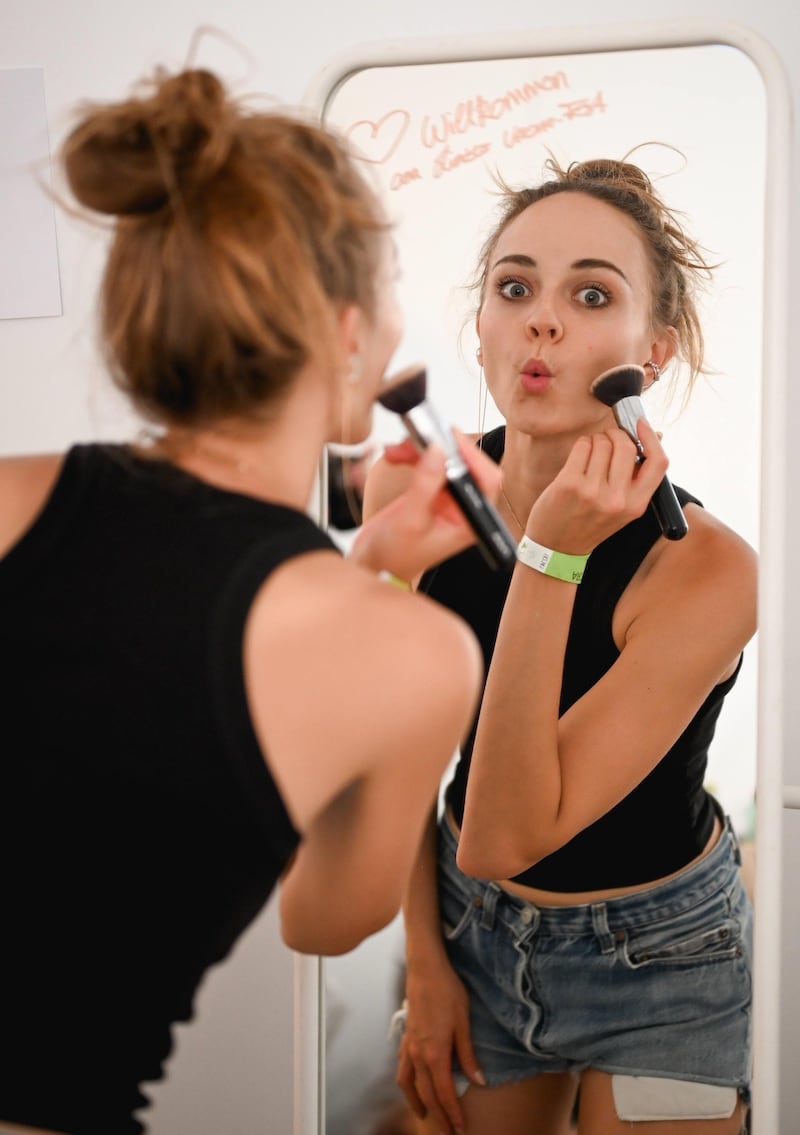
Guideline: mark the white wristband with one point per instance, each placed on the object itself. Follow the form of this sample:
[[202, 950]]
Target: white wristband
[[559, 565]]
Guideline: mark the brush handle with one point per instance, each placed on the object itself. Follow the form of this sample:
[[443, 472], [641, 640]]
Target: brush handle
[[494, 540], [663, 502], [668, 511], [497, 546]]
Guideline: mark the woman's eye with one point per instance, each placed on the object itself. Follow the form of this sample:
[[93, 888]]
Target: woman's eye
[[513, 289], [594, 296]]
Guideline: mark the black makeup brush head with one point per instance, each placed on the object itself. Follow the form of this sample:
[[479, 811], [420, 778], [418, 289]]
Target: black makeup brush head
[[624, 381], [407, 390]]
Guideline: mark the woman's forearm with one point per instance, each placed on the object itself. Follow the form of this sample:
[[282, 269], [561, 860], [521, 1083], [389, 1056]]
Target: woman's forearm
[[515, 784], [424, 942]]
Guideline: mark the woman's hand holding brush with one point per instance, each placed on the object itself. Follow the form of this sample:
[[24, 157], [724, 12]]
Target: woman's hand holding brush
[[603, 485], [422, 525]]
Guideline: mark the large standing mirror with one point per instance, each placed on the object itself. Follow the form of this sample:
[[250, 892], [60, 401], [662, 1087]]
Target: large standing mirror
[[432, 124]]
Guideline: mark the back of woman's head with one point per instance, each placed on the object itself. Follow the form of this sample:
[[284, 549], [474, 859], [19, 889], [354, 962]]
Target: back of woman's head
[[239, 235], [678, 270]]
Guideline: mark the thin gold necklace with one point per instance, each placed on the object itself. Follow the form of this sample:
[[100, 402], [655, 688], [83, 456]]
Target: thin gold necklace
[[511, 510]]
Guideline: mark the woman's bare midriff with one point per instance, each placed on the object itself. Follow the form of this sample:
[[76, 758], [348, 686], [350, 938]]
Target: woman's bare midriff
[[579, 898]]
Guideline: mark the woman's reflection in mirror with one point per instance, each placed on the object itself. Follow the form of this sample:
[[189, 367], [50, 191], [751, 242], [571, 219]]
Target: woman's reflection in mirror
[[576, 922], [205, 697]]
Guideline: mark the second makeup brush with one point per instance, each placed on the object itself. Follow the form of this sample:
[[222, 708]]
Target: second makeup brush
[[406, 397], [620, 388]]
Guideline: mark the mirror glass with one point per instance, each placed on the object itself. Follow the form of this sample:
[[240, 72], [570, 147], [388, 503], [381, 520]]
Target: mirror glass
[[432, 135]]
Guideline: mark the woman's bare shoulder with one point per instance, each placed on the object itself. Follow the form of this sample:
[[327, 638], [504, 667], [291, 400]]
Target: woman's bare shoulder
[[709, 578], [714, 543], [25, 484], [336, 659], [323, 600]]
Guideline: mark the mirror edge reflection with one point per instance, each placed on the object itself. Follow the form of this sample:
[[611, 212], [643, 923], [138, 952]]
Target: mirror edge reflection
[[309, 1017]]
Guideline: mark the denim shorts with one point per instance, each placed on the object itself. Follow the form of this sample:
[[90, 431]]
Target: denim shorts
[[651, 984]]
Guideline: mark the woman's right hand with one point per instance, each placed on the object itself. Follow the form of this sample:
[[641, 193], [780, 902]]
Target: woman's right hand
[[437, 1028], [411, 520]]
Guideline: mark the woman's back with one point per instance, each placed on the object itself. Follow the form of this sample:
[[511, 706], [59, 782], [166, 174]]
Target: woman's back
[[142, 818], [203, 698]]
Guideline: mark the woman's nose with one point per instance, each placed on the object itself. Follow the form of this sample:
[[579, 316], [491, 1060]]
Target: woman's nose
[[543, 321]]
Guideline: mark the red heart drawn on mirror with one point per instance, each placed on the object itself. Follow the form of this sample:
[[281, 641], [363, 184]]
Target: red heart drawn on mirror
[[377, 141]]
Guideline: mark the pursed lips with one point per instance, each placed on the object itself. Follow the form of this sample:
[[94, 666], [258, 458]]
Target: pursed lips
[[535, 376], [536, 368]]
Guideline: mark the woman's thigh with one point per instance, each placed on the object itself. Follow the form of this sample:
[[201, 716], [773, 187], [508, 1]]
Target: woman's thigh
[[539, 1105]]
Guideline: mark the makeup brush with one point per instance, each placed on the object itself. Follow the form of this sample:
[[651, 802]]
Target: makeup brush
[[406, 397], [620, 388]]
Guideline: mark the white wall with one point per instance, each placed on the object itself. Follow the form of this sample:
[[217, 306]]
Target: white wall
[[51, 392]]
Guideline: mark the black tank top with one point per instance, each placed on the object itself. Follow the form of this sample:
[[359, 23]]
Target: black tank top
[[667, 819], [142, 830]]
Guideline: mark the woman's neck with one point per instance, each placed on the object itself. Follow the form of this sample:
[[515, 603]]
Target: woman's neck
[[273, 458], [529, 465]]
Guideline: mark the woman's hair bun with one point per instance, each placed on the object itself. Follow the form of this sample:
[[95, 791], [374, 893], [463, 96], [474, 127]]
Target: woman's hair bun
[[620, 173], [132, 157]]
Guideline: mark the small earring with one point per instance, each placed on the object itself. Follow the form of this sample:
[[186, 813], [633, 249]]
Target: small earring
[[355, 372], [655, 368]]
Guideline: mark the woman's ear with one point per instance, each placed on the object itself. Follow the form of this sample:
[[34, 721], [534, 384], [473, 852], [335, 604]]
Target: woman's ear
[[351, 342], [664, 347], [351, 325]]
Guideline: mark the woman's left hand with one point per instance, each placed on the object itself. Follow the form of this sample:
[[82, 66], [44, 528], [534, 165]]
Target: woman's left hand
[[601, 487]]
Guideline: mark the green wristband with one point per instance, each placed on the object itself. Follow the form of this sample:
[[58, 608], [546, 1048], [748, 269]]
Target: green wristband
[[559, 565]]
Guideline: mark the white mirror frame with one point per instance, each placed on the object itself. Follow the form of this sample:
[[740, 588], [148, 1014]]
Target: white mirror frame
[[772, 795]]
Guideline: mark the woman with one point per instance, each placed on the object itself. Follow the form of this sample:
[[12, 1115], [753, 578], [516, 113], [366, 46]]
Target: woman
[[204, 696], [586, 926]]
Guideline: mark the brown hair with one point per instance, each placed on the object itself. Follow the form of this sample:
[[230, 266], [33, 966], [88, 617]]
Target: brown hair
[[238, 236], [678, 267]]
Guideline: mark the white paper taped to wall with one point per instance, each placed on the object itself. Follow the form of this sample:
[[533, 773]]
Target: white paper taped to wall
[[29, 277]]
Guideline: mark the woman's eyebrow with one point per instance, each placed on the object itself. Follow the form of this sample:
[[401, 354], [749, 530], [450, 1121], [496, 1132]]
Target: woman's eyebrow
[[594, 262], [516, 258], [587, 262]]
